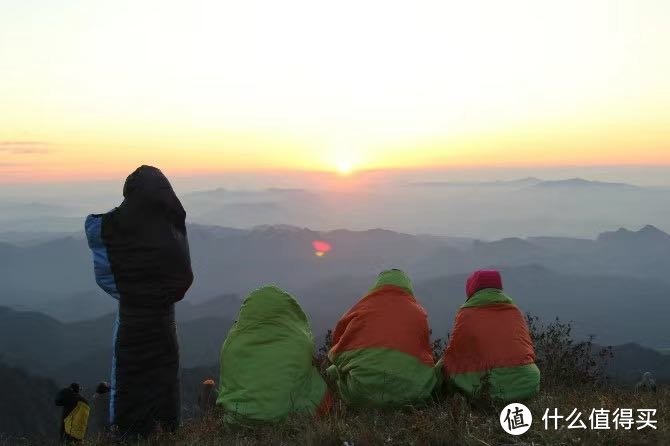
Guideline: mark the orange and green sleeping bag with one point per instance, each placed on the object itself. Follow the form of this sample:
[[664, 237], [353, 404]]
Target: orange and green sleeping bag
[[266, 362], [381, 354], [490, 349]]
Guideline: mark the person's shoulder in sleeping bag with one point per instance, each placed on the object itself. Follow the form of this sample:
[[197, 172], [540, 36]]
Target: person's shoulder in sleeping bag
[[381, 354], [490, 349], [140, 248], [266, 362]]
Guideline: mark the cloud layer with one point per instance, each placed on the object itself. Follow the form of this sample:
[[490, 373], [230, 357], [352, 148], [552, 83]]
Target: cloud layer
[[24, 147]]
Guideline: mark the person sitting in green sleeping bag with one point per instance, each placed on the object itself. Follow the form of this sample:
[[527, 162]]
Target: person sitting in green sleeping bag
[[266, 362]]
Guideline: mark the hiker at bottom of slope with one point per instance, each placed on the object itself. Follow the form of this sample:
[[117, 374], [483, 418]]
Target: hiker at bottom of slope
[[74, 419]]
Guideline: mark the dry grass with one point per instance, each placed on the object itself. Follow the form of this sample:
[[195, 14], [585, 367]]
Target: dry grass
[[451, 422], [455, 421]]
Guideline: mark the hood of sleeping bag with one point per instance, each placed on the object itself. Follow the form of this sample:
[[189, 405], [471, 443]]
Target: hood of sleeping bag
[[482, 279], [266, 361], [381, 352], [140, 249], [490, 341], [394, 277]]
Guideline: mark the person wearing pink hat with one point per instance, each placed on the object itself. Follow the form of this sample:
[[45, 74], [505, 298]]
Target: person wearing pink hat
[[490, 348]]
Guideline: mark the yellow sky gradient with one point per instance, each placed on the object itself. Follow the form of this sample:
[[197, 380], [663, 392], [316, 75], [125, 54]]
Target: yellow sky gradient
[[91, 89]]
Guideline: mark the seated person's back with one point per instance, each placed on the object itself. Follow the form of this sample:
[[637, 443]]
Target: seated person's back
[[490, 349], [266, 361], [381, 350]]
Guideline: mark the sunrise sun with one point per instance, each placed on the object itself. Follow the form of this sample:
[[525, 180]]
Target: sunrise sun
[[344, 167]]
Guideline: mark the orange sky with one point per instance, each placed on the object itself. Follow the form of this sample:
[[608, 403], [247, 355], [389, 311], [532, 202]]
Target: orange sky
[[92, 89]]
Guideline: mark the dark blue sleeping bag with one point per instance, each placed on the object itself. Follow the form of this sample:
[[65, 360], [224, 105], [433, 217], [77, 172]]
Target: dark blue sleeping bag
[[141, 257]]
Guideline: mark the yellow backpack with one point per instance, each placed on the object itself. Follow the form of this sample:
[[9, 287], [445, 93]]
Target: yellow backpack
[[77, 421]]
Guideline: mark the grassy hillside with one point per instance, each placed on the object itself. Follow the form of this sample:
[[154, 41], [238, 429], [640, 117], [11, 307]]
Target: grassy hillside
[[451, 422], [573, 377]]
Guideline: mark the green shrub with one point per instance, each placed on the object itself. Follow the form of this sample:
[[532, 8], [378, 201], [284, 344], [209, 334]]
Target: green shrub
[[562, 360]]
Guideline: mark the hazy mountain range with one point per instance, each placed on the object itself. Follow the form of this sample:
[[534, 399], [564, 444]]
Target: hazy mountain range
[[55, 322], [572, 207], [486, 210], [620, 273]]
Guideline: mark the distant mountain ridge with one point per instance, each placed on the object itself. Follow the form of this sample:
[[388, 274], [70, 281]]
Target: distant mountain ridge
[[528, 182], [234, 261], [522, 182], [581, 184], [431, 204], [648, 234]]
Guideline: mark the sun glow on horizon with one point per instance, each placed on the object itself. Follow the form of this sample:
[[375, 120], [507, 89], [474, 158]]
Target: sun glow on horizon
[[224, 86], [347, 158], [344, 167]]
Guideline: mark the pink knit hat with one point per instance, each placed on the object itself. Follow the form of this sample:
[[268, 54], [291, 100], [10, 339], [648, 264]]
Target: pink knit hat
[[485, 278]]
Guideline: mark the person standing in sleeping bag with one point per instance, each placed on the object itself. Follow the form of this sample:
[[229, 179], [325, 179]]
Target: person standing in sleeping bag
[[266, 362], [490, 349], [381, 354], [141, 258]]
